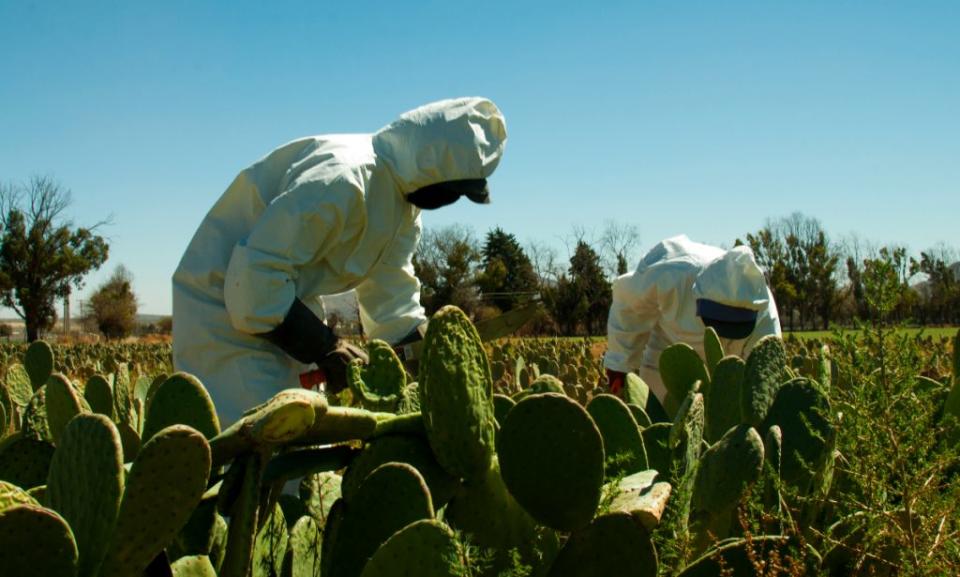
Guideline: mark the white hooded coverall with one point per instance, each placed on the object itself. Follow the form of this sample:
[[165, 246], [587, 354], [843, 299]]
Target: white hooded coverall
[[318, 216], [656, 305]]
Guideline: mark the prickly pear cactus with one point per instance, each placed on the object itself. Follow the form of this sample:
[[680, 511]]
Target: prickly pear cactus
[[501, 406], [36, 541], [622, 443], [656, 442], [456, 390], [686, 434], [802, 411], [193, 566], [409, 449], [319, 492], [510, 528], [306, 538], [85, 484], [270, 545], [18, 385], [63, 404], [722, 403], [181, 400], [164, 486], [38, 361], [99, 395], [613, 544], [951, 409], [640, 496], [390, 498], [24, 461], [426, 548], [680, 368], [765, 371], [35, 424], [713, 349], [379, 384], [727, 471], [551, 459]]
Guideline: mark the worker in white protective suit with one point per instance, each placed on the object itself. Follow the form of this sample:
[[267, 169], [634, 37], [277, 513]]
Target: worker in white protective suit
[[318, 216], [680, 288]]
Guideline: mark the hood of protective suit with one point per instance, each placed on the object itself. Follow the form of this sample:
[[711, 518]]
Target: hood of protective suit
[[456, 139], [734, 280]]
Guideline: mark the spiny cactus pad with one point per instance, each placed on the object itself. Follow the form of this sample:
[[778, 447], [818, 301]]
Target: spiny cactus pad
[[63, 404], [686, 434], [722, 403], [270, 545], [424, 548], [18, 385], [802, 411], [35, 417], [181, 400], [166, 482], [339, 424], [501, 406], [408, 449], [378, 384], [391, 497], [551, 458], [300, 463], [99, 395], [456, 390], [712, 349], [485, 511], [656, 441], [85, 485], [39, 363], [242, 510], [765, 371], [24, 461], [613, 544], [680, 368], [319, 492], [193, 566], [622, 443], [36, 541], [306, 539]]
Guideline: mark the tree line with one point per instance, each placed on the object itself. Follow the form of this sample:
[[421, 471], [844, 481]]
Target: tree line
[[816, 281]]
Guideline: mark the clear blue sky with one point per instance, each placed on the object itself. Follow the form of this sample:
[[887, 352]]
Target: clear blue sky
[[703, 118]]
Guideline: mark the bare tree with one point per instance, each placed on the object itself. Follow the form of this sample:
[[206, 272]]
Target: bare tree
[[618, 241]]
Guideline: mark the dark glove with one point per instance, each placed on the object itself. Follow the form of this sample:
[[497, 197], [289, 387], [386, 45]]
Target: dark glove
[[302, 335], [334, 365], [615, 380]]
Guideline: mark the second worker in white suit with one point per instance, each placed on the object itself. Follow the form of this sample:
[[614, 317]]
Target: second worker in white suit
[[680, 288]]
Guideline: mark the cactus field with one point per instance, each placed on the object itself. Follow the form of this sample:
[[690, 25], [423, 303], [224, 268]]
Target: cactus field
[[817, 457]]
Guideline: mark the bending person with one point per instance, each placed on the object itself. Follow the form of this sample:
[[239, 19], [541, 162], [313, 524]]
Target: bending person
[[680, 288], [318, 216]]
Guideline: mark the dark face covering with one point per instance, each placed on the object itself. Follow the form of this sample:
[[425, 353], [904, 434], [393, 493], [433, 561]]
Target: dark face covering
[[444, 193]]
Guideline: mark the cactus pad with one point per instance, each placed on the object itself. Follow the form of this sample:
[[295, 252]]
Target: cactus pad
[[18, 385], [181, 400], [303, 462], [379, 384], [24, 461], [63, 404], [424, 548], [39, 363], [802, 412], [35, 417], [613, 544], [722, 403], [680, 368], [36, 541], [319, 492], [389, 499], [712, 350], [456, 390], [551, 458], [765, 371], [99, 395], [193, 566], [622, 442], [270, 545], [408, 449], [165, 484], [306, 539], [85, 485]]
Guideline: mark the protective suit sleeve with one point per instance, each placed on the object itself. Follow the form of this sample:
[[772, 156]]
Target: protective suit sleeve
[[633, 314], [298, 227], [768, 323], [389, 298]]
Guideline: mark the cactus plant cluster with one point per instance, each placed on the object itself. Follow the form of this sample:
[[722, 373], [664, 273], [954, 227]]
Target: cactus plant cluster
[[120, 474]]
